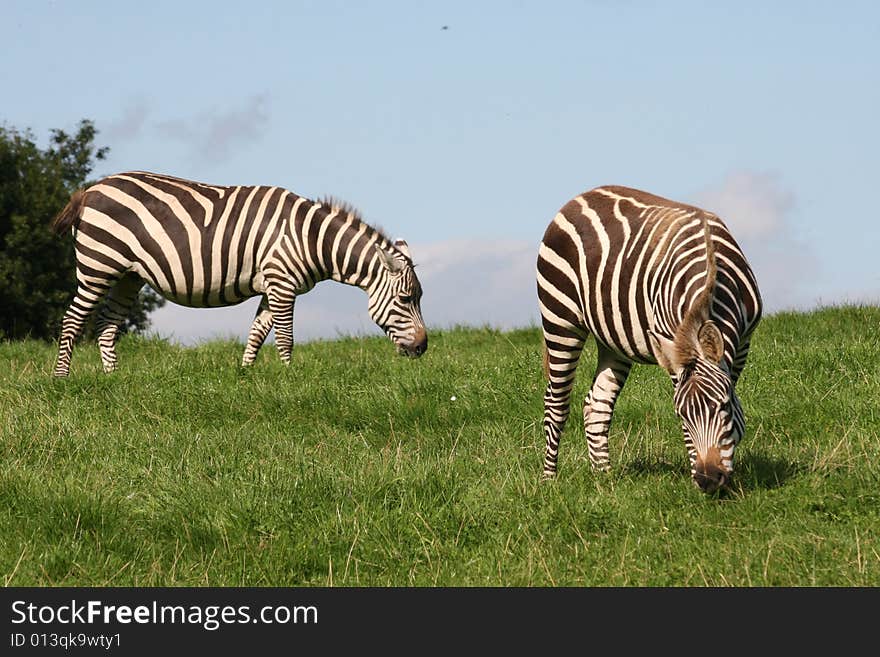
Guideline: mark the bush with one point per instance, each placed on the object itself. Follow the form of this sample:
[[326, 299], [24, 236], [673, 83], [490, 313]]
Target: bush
[[37, 275]]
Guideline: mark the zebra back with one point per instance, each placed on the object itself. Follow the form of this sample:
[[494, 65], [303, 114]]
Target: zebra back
[[204, 245], [636, 263]]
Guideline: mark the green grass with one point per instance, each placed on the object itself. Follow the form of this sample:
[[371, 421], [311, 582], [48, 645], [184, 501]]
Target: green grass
[[356, 467]]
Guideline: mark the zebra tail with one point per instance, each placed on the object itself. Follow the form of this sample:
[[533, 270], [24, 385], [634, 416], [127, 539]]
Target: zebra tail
[[71, 214]]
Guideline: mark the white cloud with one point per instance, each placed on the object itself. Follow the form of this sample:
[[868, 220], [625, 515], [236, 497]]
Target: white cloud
[[476, 283], [214, 134], [130, 125], [758, 209], [753, 205], [210, 135]]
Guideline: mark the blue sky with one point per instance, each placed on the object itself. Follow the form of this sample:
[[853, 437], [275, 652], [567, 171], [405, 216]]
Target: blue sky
[[466, 140]]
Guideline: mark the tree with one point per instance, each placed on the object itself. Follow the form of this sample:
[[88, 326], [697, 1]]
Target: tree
[[37, 275]]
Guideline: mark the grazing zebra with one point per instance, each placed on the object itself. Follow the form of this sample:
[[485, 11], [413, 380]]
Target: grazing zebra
[[204, 246], [654, 281]]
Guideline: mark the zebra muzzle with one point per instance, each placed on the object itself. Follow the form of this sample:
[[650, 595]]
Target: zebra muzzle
[[417, 346], [709, 474]]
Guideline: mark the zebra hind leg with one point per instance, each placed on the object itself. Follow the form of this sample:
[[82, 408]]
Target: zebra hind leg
[[562, 356], [112, 314], [611, 375], [88, 296], [281, 300], [257, 335]]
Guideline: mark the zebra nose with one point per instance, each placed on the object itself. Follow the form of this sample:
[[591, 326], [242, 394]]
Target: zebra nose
[[710, 474], [420, 343], [710, 477]]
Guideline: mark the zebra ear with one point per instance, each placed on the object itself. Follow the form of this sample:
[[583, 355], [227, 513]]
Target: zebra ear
[[390, 263], [710, 341], [666, 353], [403, 247]]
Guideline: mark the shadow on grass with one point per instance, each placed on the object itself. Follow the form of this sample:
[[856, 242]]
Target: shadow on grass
[[753, 472], [761, 472], [639, 467]]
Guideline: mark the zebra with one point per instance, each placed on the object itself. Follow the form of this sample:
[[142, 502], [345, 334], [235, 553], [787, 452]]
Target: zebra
[[202, 245], [654, 281]]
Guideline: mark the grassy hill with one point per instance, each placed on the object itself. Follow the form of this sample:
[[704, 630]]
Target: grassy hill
[[356, 467]]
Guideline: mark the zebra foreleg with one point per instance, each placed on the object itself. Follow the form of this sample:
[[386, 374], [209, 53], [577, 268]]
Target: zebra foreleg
[[563, 354], [739, 420], [281, 300], [611, 374], [88, 296], [112, 314], [257, 335], [739, 361]]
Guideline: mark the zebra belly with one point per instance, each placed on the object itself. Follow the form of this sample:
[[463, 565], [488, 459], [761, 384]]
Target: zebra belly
[[215, 295], [199, 301], [640, 354], [622, 334]]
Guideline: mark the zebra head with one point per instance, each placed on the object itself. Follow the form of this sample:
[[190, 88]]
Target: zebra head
[[705, 401], [394, 300]]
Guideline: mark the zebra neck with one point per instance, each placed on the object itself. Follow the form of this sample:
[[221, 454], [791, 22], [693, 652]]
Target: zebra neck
[[670, 313], [679, 287], [355, 261], [332, 242]]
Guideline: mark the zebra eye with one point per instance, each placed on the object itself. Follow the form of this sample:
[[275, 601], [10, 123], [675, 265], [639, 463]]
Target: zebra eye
[[406, 298]]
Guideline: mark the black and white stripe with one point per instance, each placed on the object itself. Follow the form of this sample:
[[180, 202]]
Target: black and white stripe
[[654, 281], [205, 246]]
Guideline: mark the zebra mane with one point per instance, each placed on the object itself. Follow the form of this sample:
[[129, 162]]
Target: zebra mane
[[697, 332], [703, 302], [346, 208]]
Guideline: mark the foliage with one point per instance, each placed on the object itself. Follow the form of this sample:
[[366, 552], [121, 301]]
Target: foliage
[[37, 276], [356, 467]]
